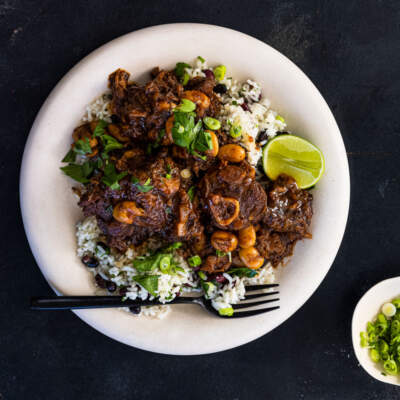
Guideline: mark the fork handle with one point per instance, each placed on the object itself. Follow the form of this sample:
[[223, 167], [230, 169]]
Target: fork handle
[[85, 302]]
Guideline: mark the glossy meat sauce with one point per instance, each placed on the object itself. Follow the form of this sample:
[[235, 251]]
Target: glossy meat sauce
[[214, 205]]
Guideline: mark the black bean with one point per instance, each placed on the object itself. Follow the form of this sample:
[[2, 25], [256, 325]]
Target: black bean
[[100, 281], [209, 74], [115, 119], [245, 107], [220, 278], [135, 309], [111, 286], [104, 247], [90, 262], [122, 291], [262, 136], [220, 88]]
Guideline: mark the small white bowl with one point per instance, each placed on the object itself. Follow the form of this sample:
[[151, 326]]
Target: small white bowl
[[366, 310]]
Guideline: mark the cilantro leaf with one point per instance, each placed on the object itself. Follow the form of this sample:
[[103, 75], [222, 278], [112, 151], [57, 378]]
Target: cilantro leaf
[[247, 272], [203, 141], [110, 143], [142, 188], [145, 264], [99, 130], [111, 178], [79, 173], [173, 246], [183, 132], [82, 146], [180, 69], [69, 157], [186, 133], [195, 153], [148, 282]]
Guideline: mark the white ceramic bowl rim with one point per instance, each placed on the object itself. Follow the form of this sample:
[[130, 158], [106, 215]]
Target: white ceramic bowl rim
[[42, 186]]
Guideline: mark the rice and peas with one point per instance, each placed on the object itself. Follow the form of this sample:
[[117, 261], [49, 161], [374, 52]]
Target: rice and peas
[[245, 114]]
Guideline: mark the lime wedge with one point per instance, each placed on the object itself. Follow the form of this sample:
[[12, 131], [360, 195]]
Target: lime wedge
[[293, 156]]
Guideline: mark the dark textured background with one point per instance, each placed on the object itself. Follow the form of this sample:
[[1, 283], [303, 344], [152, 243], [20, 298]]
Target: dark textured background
[[351, 51]]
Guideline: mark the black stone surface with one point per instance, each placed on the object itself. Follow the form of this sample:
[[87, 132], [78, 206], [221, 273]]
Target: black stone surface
[[351, 51]]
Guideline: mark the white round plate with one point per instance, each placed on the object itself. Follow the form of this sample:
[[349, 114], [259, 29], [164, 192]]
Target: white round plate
[[366, 310], [49, 209]]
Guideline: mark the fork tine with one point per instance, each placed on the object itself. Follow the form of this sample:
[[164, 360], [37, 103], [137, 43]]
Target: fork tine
[[254, 303], [255, 296], [253, 312], [259, 287]]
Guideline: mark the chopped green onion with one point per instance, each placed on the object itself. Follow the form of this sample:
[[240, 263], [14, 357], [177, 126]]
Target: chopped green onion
[[186, 106], [374, 354], [165, 264], [383, 347], [363, 339], [178, 269], [279, 118], [219, 72], [207, 286], [370, 328], [385, 356], [395, 328], [191, 192], [185, 79], [202, 60], [235, 131], [372, 338], [389, 310], [396, 302], [194, 261], [226, 312], [212, 123], [383, 338], [202, 275], [390, 366]]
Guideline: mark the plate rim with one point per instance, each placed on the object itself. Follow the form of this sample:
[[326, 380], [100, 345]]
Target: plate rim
[[23, 176]]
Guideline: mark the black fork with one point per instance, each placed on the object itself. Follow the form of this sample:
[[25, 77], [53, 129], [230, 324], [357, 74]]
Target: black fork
[[87, 302]]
